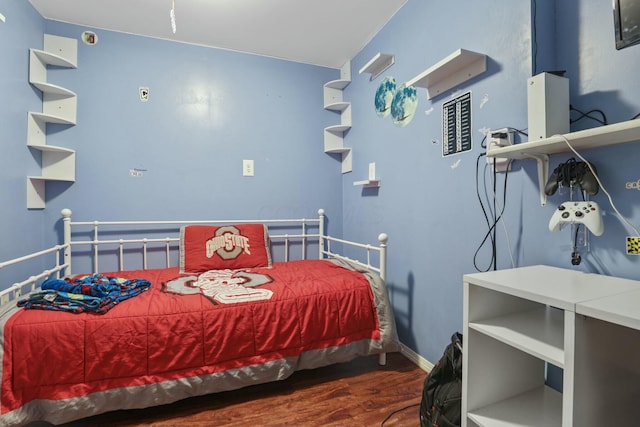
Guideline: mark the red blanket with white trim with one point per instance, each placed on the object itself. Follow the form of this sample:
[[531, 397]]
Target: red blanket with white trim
[[180, 339]]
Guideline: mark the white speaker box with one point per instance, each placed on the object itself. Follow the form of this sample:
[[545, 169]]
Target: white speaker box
[[548, 106]]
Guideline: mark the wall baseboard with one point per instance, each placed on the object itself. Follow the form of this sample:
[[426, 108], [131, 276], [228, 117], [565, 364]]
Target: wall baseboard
[[422, 363]]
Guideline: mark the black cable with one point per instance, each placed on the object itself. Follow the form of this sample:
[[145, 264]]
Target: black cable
[[491, 227], [635, 117], [575, 255], [604, 120], [521, 132], [484, 212], [483, 143], [495, 220], [397, 411]]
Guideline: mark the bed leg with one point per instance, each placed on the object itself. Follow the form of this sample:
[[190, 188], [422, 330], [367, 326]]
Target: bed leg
[[382, 359]]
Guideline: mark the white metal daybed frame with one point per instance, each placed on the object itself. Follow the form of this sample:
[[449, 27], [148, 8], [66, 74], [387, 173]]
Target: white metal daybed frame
[[64, 251]]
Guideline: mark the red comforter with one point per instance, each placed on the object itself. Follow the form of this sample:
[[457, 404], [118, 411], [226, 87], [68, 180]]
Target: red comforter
[[176, 336]]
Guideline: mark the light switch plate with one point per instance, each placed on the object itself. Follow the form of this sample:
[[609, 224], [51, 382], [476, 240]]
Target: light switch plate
[[247, 168]]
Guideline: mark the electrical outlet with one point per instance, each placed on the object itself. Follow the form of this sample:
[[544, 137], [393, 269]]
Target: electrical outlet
[[495, 139], [633, 245]]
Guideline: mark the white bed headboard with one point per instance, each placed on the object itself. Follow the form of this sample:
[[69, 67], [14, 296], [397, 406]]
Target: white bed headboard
[[303, 232], [94, 236]]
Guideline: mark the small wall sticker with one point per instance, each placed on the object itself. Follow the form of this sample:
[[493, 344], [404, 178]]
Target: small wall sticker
[[90, 38], [144, 94]]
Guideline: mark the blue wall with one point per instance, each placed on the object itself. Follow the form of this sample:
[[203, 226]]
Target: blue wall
[[209, 109], [23, 29], [428, 204]]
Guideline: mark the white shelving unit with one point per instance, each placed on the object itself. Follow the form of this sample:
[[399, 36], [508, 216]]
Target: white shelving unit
[[333, 101], [603, 136], [377, 65], [59, 105], [453, 70], [518, 320]]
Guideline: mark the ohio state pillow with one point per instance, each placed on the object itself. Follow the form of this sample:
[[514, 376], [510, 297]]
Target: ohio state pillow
[[205, 247]]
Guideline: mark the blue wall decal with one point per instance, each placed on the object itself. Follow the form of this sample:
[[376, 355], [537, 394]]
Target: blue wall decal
[[404, 105], [384, 96]]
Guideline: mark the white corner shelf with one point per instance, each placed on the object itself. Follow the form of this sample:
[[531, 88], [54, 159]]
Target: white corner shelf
[[59, 105], [377, 65], [453, 70], [333, 101], [603, 136]]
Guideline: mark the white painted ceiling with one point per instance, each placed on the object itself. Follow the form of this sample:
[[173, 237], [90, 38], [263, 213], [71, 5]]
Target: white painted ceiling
[[319, 32]]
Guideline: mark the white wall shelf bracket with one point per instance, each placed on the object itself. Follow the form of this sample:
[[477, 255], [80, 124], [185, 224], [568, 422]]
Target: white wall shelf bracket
[[542, 161], [377, 65]]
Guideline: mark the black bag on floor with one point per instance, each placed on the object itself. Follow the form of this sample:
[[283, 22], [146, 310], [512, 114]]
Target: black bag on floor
[[441, 403]]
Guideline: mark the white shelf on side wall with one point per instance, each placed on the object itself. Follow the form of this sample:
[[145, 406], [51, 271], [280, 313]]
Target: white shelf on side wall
[[453, 70], [603, 136], [377, 64]]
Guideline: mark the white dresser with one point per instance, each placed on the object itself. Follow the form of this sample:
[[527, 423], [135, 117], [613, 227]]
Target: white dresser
[[518, 320]]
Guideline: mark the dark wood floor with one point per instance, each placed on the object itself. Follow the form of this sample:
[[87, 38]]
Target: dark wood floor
[[356, 394]]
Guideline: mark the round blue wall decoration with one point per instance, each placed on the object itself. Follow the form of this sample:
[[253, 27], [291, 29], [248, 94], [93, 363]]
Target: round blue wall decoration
[[404, 104], [384, 96]]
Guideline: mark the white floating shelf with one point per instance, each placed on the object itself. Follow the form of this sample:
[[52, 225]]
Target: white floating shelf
[[617, 133], [52, 89], [368, 183], [2, 18], [338, 128], [453, 70], [603, 136], [337, 84], [50, 118], [337, 106], [378, 64], [48, 58]]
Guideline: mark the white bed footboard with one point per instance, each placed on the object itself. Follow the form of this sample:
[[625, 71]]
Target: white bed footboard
[[380, 267], [50, 257]]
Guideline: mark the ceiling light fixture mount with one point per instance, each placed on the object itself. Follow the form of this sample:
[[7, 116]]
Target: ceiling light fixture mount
[[172, 15]]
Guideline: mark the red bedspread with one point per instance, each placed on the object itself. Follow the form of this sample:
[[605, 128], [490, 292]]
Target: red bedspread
[[165, 335]]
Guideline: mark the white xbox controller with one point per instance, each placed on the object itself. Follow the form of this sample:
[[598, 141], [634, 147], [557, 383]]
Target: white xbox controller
[[587, 213]]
